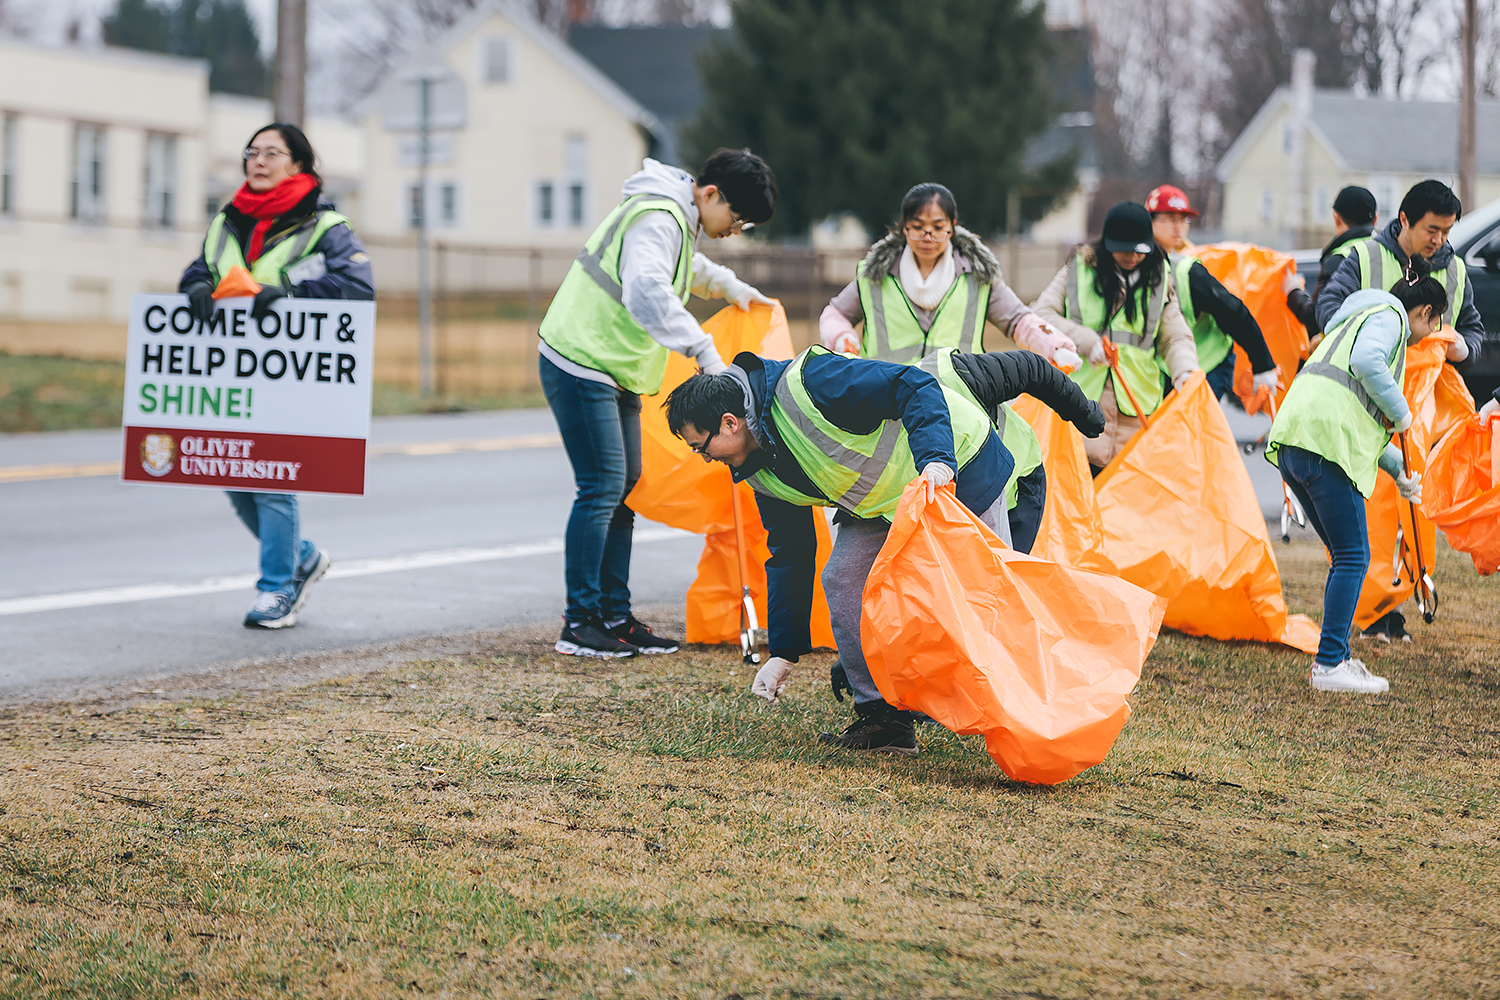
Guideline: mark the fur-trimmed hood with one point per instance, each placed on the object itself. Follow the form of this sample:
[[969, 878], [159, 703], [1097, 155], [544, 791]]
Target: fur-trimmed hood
[[971, 255]]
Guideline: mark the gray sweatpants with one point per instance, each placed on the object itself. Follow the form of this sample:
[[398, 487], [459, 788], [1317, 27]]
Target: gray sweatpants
[[854, 551]]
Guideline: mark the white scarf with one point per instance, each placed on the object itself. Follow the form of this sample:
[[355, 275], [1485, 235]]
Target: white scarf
[[927, 293]]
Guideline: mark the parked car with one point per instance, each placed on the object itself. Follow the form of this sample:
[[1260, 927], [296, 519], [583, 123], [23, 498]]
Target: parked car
[[1476, 238]]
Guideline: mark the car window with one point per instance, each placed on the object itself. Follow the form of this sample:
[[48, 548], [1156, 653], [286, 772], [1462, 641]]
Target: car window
[[1472, 257]]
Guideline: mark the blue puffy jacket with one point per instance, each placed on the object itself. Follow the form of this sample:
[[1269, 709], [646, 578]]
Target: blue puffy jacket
[[857, 394]]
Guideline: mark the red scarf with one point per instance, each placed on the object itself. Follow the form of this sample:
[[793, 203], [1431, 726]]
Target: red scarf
[[267, 206]]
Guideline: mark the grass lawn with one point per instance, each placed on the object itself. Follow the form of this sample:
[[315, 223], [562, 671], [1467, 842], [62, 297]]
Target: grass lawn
[[518, 824], [41, 393]]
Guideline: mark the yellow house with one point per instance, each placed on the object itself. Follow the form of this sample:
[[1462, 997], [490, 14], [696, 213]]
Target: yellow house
[[529, 143], [1384, 145]]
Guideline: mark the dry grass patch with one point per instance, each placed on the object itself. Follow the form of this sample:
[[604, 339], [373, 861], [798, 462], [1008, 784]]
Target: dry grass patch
[[523, 825]]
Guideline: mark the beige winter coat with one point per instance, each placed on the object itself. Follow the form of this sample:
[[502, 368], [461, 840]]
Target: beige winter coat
[[1174, 339]]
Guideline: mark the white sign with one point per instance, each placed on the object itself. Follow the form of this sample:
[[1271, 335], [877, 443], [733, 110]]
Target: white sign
[[280, 404]]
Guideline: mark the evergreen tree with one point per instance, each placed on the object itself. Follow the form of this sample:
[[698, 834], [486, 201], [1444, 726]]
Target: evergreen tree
[[220, 31], [854, 101], [137, 24]]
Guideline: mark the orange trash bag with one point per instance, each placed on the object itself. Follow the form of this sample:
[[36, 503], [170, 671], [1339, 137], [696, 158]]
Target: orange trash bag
[[1461, 491], [1438, 400], [680, 489], [1181, 519], [1071, 531], [1037, 657], [1254, 274], [236, 284]]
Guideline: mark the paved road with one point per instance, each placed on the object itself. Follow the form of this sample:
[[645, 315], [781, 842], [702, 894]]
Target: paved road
[[446, 540], [461, 530]]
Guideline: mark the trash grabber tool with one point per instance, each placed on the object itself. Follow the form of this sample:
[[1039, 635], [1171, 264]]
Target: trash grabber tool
[[748, 623], [1397, 561], [1112, 355], [1425, 590], [1290, 509]]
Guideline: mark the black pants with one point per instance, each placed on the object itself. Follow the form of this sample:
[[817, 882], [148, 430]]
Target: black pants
[[1026, 516]]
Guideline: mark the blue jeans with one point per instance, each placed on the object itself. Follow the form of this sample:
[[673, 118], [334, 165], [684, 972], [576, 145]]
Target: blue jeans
[[272, 517], [601, 432], [1336, 511]]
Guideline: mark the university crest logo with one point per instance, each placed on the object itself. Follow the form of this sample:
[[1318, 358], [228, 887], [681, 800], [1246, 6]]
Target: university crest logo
[[157, 452]]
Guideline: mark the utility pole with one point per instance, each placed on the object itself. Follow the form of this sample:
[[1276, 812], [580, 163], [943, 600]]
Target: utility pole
[[290, 97], [1468, 154], [1304, 65], [424, 275]]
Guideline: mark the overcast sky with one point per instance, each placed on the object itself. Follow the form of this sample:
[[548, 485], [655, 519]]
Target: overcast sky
[[49, 18]]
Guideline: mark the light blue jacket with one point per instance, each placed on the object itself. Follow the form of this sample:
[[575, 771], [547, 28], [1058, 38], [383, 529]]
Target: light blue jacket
[[1377, 336]]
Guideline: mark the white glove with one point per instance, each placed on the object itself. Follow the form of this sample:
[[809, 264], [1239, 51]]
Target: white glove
[[1404, 424], [770, 680], [1271, 378], [1291, 281], [1410, 489], [1067, 360], [846, 343], [1096, 355], [937, 475], [742, 293], [1458, 350], [1177, 382], [1493, 406]]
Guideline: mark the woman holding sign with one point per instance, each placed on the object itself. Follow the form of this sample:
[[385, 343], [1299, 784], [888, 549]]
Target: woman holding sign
[[293, 243]]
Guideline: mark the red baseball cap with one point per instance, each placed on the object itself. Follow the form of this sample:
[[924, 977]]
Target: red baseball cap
[[1168, 199]]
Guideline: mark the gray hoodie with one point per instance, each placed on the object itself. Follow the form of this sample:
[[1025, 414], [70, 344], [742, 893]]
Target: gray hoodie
[[648, 261]]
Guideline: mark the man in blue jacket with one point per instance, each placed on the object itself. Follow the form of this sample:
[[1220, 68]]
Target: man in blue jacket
[[829, 430]]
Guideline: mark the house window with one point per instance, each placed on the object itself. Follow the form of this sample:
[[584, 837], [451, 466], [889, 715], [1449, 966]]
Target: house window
[[1286, 138], [414, 205], [87, 204], [1321, 203], [575, 204], [7, 164], [544, 207], [448, 204], [1267, 205], [495, 55], [575, 163], [161, 180]]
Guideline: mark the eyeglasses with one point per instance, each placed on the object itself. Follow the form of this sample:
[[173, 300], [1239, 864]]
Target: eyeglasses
[[701, 448], [937, 234], [269, 155]]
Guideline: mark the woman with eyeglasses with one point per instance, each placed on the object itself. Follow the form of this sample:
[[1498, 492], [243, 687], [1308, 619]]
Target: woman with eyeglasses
[[293, 243], [931, 284], [1119, 287]]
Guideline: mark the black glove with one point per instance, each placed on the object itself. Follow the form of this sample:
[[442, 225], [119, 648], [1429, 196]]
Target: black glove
[[839, 680], [201, 301], [1091, 424], [264, 299]]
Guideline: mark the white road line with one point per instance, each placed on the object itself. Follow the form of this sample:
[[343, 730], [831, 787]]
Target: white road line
[[351, 568]]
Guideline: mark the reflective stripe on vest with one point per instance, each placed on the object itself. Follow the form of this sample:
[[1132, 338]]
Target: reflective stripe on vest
[[898, 336], [1330, 414], [587, 322], [1320, 366], [1376, 261], [1138, 362], [221, 250], [863, 473], [1214, 345]]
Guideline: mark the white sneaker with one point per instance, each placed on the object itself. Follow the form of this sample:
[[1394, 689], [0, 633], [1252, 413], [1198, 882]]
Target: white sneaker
[[1351, 675]]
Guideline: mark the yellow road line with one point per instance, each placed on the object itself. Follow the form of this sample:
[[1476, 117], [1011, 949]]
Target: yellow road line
[[79, 470]]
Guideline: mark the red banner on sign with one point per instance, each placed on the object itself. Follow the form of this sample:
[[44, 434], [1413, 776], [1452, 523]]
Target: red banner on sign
[[259, 463]]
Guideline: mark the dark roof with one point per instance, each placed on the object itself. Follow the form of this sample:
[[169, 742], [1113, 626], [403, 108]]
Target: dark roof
[[1408, 137], [656, 64]]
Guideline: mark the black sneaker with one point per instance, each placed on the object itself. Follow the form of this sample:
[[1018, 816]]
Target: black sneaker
[[1391, 625], [641, 637], [307, 575], [590, 638], [877, 727]]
